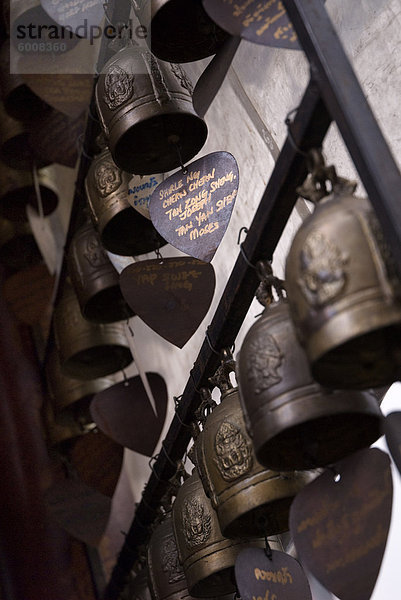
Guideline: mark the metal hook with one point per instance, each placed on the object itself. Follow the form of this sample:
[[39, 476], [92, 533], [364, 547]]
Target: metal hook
[[337, 475], [293, 143], [126, 382], [129, 328], [210, 343], [159, 256], [268, 551], [177, 147], [193, 382], [80, 146], [176, 404], [170, 460], [244, 256], [105, 6], [153, 469]]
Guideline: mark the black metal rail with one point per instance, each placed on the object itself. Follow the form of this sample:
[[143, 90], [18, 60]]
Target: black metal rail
[[332, 94]]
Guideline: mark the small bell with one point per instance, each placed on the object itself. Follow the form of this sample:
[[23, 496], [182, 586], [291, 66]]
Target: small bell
[[122, 229], [208, 558], [146, 111], [294, 422], [343, 289], [192, 35], [87, 350], [250, 500], [95, 280]]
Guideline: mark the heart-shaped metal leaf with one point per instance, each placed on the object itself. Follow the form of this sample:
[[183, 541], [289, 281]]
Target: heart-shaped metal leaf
[[266, 24], [123, 413], [98, 460], [172, 297], [192, 208], [279, 576], [340, 524], [79, 509], [392, 431], [81, 16], [66, 92]]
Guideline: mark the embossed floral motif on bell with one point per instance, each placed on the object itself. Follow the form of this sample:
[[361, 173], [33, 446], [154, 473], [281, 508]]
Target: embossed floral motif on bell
[[197, 522], [233, 452], [119, 87], [264, 369], [108, 177], [169, 560]]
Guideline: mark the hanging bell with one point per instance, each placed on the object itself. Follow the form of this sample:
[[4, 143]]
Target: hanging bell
[[72, 396], [192, 35], [166, 576], [59, 433], [208, 558], [343, 290], [95, 280], [87, 350], [18, 248], [122, 229], [294, 423], [250, 500], [17, 191], [146, 111]]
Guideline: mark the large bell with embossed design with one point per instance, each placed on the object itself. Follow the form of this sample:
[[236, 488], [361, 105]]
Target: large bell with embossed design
[[146, 111], [294, 423], [122, 229], [95, 280], [343, 290], [179, 31], [87, 350], [208, 558], [166, 576], [250, 500]]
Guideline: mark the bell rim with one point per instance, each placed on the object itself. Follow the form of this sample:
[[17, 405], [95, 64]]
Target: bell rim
[[115, 358]]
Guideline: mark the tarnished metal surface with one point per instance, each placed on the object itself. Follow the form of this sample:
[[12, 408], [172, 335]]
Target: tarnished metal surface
[[192, 208], [95, 280], [87, 350], [340, 528], [265, 24], [122, 229], [345, 295], [192, 34], [208, 558], [294, 422], [123, 412], [270, 575], [146, 111], [171, 296]]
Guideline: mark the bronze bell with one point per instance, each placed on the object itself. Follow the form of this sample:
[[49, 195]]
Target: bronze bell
[[294, 422], [87, 350], [122, 229], [95, 280], [343, 290], [146, 111], [250, 500], [18, 248], [208, 558], [72, 396], [192, 35], [17, 191], [166, 576]]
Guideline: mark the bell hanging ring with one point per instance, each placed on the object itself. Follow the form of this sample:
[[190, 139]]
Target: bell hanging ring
[[294, 423], [18, 248], [192, 35], [72, 397], [145, 108], [17, 191], [344, 293], [250, 500], [122, 229], [95, 280], [166, 576], [208, 558], [87, 350]]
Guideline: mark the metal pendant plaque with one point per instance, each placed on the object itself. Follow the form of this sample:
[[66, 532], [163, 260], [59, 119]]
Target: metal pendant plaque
[[392, 431], [192, 208], [98, 460], [340, 524], [264, 23], [81, 17], [140, 189], [277, 578], [80, 510], [172, 297], [123, 412], [68, 93]]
